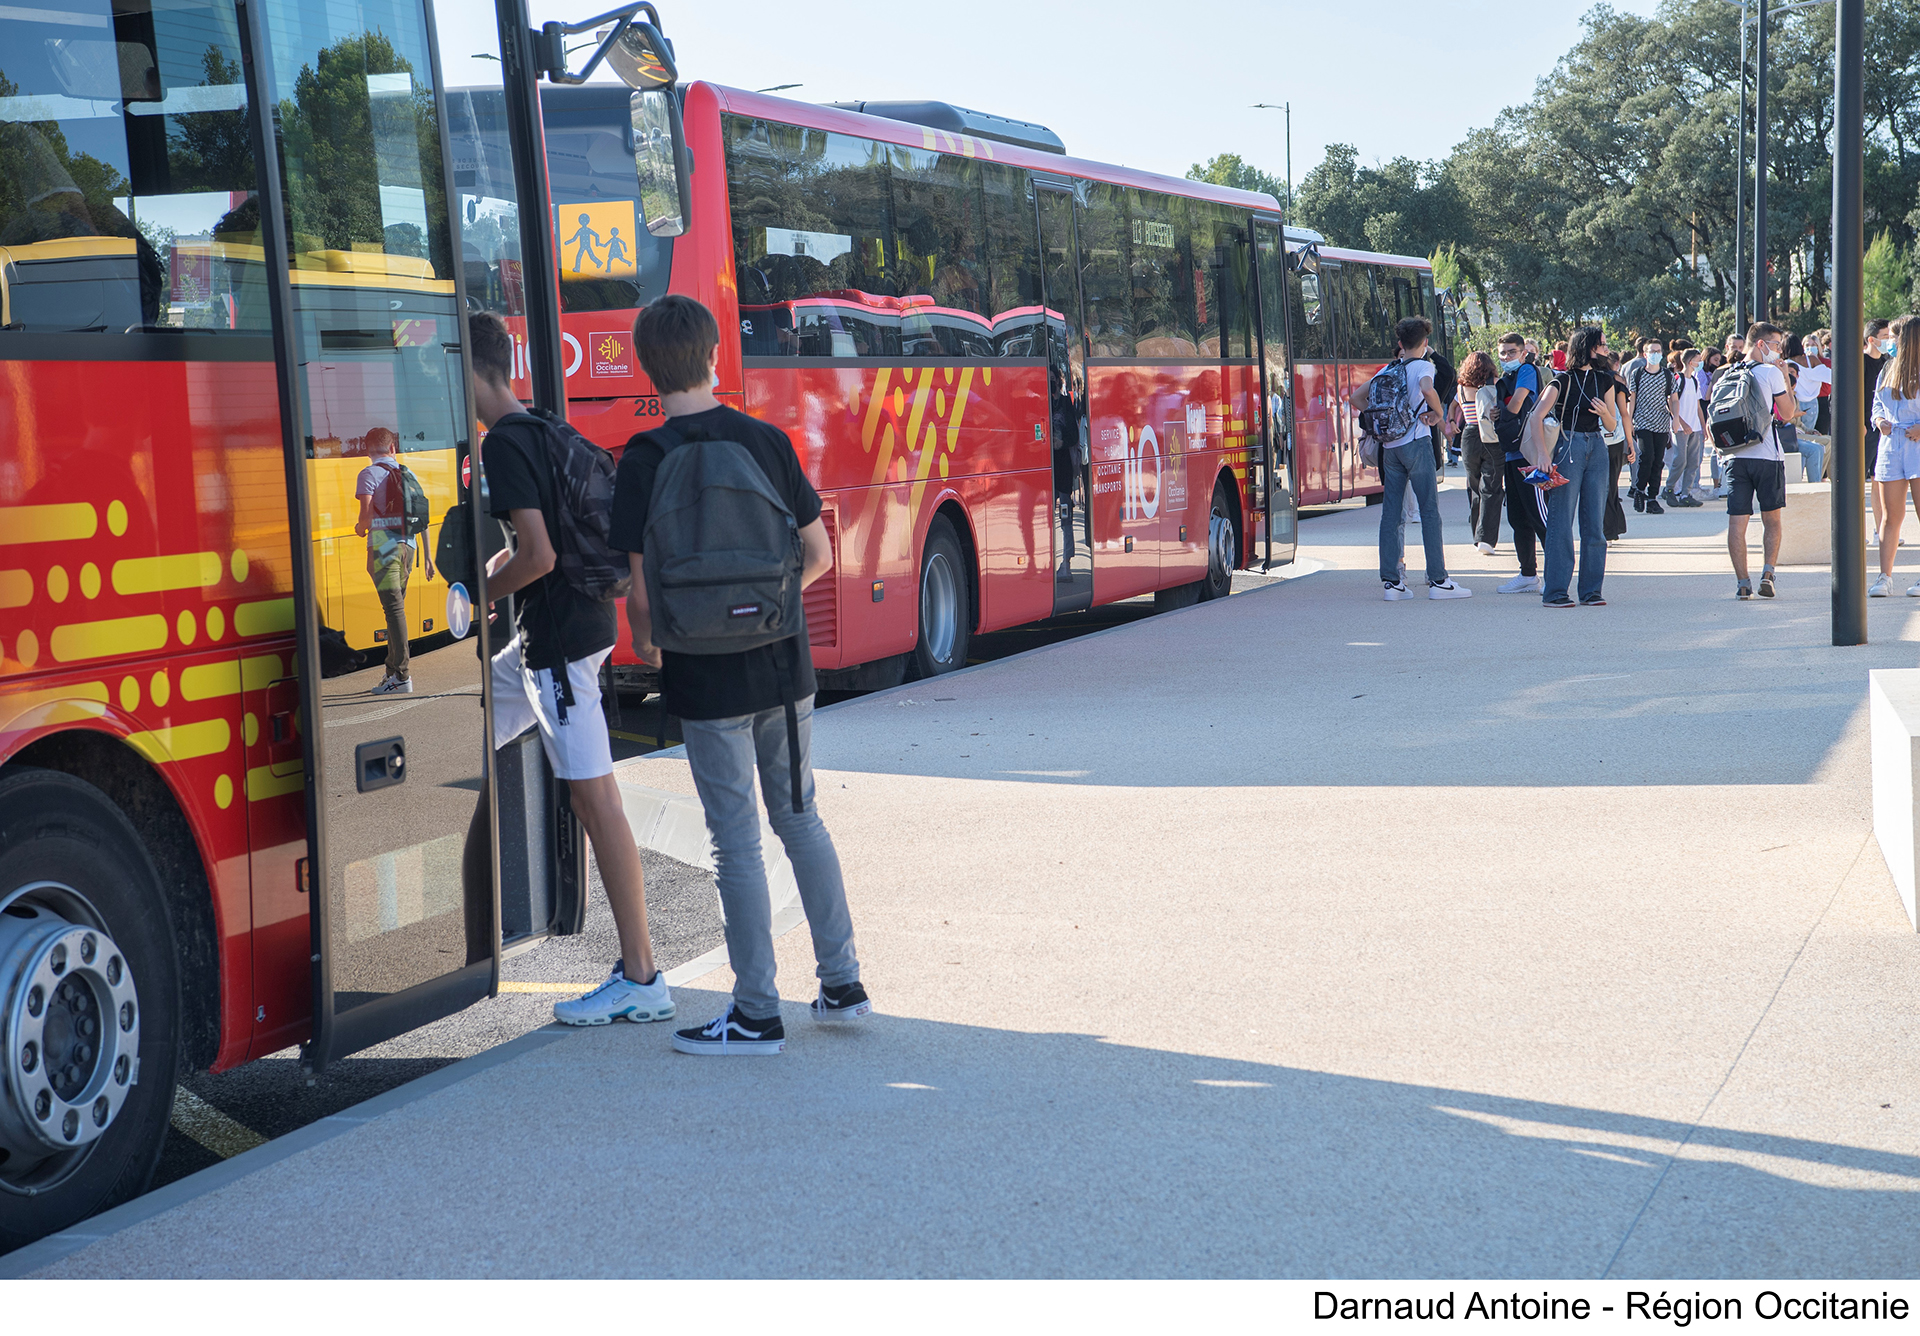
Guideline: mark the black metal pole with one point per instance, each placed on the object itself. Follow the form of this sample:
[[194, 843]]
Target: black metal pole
[[1849, 290], [526, 136], [1760, 295], [1740, 193]]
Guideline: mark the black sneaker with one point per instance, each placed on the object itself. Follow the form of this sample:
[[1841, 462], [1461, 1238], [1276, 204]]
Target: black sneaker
[[1743, 590], [1592, 601], [1655, 508], [1639, 503], [847, 1002], [1558, 601], [1766, 586], [733, 1034]]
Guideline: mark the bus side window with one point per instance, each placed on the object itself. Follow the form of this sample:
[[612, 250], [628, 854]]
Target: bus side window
[[1164, 310], [1106, 280], [123, 152], [1013, 256], [812, 222], [940, 252]]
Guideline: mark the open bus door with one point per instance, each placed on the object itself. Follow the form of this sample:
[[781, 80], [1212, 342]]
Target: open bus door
[[1280, 496], [411, 812], [368, 323], [1072, 523]]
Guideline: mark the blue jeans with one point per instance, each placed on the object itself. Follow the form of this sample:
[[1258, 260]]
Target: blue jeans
[[1581, 457], [1813, 454], [1404, 466], [724, 755]]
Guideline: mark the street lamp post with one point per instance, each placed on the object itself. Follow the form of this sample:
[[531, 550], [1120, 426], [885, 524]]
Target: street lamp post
[[1740, 186], [1286, 211], [1849, 290]]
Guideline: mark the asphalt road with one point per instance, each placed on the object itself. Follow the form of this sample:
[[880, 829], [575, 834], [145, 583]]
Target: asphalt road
[[217, 1116]]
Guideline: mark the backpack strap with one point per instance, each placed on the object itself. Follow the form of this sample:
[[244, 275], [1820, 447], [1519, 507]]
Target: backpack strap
[[788, 703]]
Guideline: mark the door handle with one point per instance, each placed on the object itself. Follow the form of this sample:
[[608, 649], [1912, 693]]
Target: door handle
[[380, 765]]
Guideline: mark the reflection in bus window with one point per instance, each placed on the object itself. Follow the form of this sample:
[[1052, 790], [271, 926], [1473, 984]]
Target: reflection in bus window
[[1162, 271], [1224, 267], [1012, 258], [123, 146], [1106, 277], [940, 256]]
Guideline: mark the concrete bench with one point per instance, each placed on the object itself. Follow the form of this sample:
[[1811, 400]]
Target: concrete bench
[[1894, 726]]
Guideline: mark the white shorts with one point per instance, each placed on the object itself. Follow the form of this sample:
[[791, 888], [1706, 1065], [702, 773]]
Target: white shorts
[[576, 749]]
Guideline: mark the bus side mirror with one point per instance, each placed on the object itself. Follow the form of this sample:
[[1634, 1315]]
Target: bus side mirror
[[660, 157]]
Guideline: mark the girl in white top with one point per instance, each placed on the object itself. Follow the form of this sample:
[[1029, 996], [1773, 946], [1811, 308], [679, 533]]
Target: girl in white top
[[1896, 413]]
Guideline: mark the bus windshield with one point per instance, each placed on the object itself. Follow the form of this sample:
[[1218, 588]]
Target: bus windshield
[[609, 261]]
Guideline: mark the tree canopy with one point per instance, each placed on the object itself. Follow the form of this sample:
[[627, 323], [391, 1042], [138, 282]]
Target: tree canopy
[[1611, 192]]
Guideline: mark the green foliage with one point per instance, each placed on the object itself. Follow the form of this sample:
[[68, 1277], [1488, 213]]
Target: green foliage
[[1592, 200], [1234, 172], [1712, 323], [1887, 274]]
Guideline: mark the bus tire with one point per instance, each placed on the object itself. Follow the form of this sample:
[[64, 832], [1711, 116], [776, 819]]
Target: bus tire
[[1223, 545], [68, 853], [946, 619]]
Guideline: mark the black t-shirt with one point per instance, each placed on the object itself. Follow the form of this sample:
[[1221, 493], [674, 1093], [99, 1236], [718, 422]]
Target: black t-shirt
[[720, 686], [1874, 366], [1578, 390], [520, 477]]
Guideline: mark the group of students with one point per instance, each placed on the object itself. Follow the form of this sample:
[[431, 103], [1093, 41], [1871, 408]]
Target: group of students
[[1655, 412], [743, 714]]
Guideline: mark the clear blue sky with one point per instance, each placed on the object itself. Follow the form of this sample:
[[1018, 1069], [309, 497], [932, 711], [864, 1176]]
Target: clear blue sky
[[1158, 86]]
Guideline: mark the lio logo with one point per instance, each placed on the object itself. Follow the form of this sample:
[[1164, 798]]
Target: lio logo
[[1142, 498]]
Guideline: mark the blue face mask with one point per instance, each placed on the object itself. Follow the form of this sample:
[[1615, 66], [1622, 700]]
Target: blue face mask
[[1514, 365]]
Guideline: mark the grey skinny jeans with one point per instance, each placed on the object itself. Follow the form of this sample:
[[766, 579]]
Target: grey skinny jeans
[[724, 755]]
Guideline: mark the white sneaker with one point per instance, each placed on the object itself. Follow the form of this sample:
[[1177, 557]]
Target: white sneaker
[[1396, 591], [1448, 590], [1913, 590], [618, 999], [1880, 588], [1486, 549], [389, 685], [1522, 584]]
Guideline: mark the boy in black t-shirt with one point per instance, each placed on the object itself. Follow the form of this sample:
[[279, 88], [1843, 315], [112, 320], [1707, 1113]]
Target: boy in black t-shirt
[[731, 706], [561, 637]]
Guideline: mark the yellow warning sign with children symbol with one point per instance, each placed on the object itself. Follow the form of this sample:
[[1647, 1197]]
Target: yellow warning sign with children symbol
[[596, 240]]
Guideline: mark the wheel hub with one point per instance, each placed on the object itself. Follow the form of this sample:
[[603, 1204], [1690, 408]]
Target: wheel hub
[[70, 1023], [1220, 543], [939, 599]]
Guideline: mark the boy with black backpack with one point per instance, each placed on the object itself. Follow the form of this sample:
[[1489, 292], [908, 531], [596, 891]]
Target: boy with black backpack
[[554, 487], [723, 532]]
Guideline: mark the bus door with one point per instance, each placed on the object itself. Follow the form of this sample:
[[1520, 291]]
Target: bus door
[[1343, 461], [1281, 496], [1072, 523], [367, 315]]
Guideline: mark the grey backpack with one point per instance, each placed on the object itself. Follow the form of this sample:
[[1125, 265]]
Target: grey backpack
[[723, 551], [1740, 412]]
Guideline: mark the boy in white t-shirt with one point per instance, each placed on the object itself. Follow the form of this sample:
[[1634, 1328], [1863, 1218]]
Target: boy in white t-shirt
[[1757, 473]]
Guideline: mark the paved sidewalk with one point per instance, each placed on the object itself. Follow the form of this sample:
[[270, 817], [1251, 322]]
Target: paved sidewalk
[[1301, 934]]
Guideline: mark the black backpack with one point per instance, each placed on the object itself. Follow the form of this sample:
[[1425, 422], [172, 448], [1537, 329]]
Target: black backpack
[[583, 505], [1508, 425]]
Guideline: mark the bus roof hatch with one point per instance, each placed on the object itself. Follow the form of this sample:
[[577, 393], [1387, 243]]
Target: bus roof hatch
[[962, 121]]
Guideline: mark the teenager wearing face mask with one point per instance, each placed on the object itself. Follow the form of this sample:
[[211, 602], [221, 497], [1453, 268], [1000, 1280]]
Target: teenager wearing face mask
[[1757, 473], [1879, 346], [1896, 413]]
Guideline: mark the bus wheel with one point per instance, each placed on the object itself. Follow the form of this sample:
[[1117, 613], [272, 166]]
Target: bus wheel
[[946, 622], [89, 1006], [1223, 546]]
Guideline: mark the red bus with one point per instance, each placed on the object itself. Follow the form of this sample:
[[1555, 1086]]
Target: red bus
[[1024, 383]]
